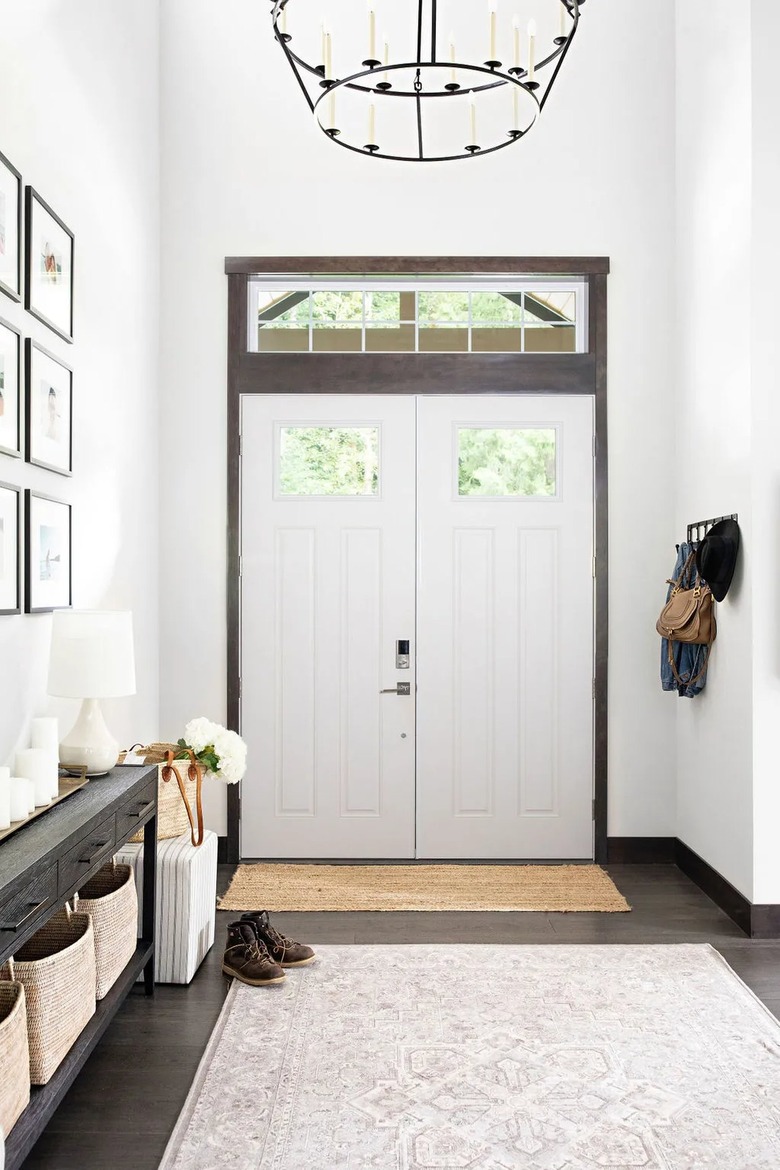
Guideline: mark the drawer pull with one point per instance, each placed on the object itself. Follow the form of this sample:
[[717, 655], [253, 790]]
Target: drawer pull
[[34, 908], [98, 850], [143, 810]]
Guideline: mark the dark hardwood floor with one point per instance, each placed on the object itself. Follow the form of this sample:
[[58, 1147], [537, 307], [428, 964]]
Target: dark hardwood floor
[[119, 1113]]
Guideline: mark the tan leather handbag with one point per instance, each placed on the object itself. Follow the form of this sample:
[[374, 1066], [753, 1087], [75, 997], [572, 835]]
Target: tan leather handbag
[[688, 616]]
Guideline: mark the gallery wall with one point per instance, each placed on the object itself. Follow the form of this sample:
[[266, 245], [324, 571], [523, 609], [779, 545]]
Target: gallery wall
[[79, 120], [244, 172]]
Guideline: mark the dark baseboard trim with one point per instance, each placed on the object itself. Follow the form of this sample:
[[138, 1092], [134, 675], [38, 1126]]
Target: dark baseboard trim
[[222, 850], [757, 921], [641, 850], [722, 893]]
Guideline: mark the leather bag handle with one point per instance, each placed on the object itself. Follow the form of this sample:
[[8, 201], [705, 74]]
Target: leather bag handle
[[194, 772]]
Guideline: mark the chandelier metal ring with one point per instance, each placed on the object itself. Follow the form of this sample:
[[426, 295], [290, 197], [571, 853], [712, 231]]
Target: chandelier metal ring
[[420, 80]]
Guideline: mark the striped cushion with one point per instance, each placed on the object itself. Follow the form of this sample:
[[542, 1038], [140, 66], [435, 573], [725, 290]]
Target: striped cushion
[[186, 902]]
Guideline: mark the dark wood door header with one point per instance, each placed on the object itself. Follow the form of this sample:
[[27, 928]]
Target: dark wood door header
[[417, 265]]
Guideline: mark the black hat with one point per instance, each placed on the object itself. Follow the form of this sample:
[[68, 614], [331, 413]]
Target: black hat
[[716, 557]]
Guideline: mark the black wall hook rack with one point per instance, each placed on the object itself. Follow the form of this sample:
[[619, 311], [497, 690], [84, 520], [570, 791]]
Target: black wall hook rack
[[699, 530]]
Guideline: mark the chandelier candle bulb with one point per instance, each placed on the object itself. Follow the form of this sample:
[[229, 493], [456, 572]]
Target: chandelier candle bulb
[[516, 38], [284, 21], [473, 121], [371, 123], [5, 798], [515, 109], [386, 56], [453, 75], [531, 49], [492, 6], [328, 55], [324, 48], [18, 788], [371, 33], [35, 764], [563, 18]]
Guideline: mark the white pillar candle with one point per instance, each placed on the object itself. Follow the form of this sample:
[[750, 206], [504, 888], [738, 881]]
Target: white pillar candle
[[35, 764], [19, 798], [5, 798], [44, 734], [531, 49]]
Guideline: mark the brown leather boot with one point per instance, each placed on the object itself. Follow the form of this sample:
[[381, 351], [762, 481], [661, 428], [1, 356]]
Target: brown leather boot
[[247, 958], [282, 950]]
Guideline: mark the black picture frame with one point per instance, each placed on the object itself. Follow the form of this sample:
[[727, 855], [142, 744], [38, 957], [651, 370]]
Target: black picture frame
[[16, 451], [15, 293], [32, 586], [34, 202], [34, 441], [6, 611]]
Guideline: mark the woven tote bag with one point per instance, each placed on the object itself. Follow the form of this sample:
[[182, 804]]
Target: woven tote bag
[[57, 968], [111, 901], [173, 818], [14, 1055]]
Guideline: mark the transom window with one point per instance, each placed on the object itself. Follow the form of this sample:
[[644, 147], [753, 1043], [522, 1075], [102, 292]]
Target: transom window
[[531, 316]]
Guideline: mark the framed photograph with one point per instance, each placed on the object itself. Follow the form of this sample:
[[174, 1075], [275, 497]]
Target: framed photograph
[[10, 549], [47, 554], [10, 230], [49, 410], [10, 390], [49, 288]]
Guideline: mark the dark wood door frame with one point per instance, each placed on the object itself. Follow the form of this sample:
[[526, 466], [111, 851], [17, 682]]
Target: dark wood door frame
[[414, 373]]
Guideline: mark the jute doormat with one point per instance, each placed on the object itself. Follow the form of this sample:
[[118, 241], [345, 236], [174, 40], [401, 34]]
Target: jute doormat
[[423, 887]]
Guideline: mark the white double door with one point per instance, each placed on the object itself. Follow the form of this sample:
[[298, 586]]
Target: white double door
[[462, 526]]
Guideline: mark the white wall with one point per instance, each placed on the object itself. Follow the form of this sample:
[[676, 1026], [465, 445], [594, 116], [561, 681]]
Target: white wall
[[728, 191], [79, 119], [765, 464], [245, 172]]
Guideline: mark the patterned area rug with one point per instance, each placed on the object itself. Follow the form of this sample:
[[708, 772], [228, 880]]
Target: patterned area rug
[[423, 887], [490, 1058]]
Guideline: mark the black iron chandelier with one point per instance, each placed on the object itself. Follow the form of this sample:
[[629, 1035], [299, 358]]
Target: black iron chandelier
[[425, 103]]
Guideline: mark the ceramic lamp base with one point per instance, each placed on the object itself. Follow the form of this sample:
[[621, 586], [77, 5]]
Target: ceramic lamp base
[[89, 743]]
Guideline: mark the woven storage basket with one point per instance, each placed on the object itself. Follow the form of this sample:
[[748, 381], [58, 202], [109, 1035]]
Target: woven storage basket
[[172, 819], [57, 968], [14, 1055], [111, 901]]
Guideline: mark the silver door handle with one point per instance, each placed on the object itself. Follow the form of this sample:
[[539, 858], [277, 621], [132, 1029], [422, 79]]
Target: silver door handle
[[401, 688]]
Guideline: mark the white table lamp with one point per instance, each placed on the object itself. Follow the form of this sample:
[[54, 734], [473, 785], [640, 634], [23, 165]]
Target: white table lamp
[[92, 658]]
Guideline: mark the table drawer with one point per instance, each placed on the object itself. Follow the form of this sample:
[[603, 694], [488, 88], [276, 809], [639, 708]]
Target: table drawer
[[136, 811], [90, 853], [22, 907]]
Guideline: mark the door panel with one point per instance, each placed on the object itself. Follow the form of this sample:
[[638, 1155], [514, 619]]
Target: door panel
[[328, 587], [505, 627]]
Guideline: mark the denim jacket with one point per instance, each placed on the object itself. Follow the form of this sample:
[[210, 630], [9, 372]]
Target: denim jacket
[[687, 656]]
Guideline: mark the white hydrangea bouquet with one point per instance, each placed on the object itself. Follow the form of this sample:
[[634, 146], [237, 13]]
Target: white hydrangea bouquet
[[221, 752]]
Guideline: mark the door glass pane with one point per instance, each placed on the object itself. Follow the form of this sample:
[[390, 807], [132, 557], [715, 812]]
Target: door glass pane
[[329, 461], [506, 461], [550, 339], [282, 338], [503, 308]]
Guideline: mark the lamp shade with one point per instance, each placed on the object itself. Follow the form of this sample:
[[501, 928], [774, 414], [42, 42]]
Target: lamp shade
[[92, 654]]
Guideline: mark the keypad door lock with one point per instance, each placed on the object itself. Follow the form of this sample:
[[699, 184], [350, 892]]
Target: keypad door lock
[[402, 654]]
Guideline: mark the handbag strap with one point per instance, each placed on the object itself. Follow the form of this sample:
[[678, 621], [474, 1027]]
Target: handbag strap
[[194, 772], [689, 682], [684, 572]]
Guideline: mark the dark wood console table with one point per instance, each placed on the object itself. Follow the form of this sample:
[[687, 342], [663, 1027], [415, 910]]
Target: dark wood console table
[[41, 867]]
